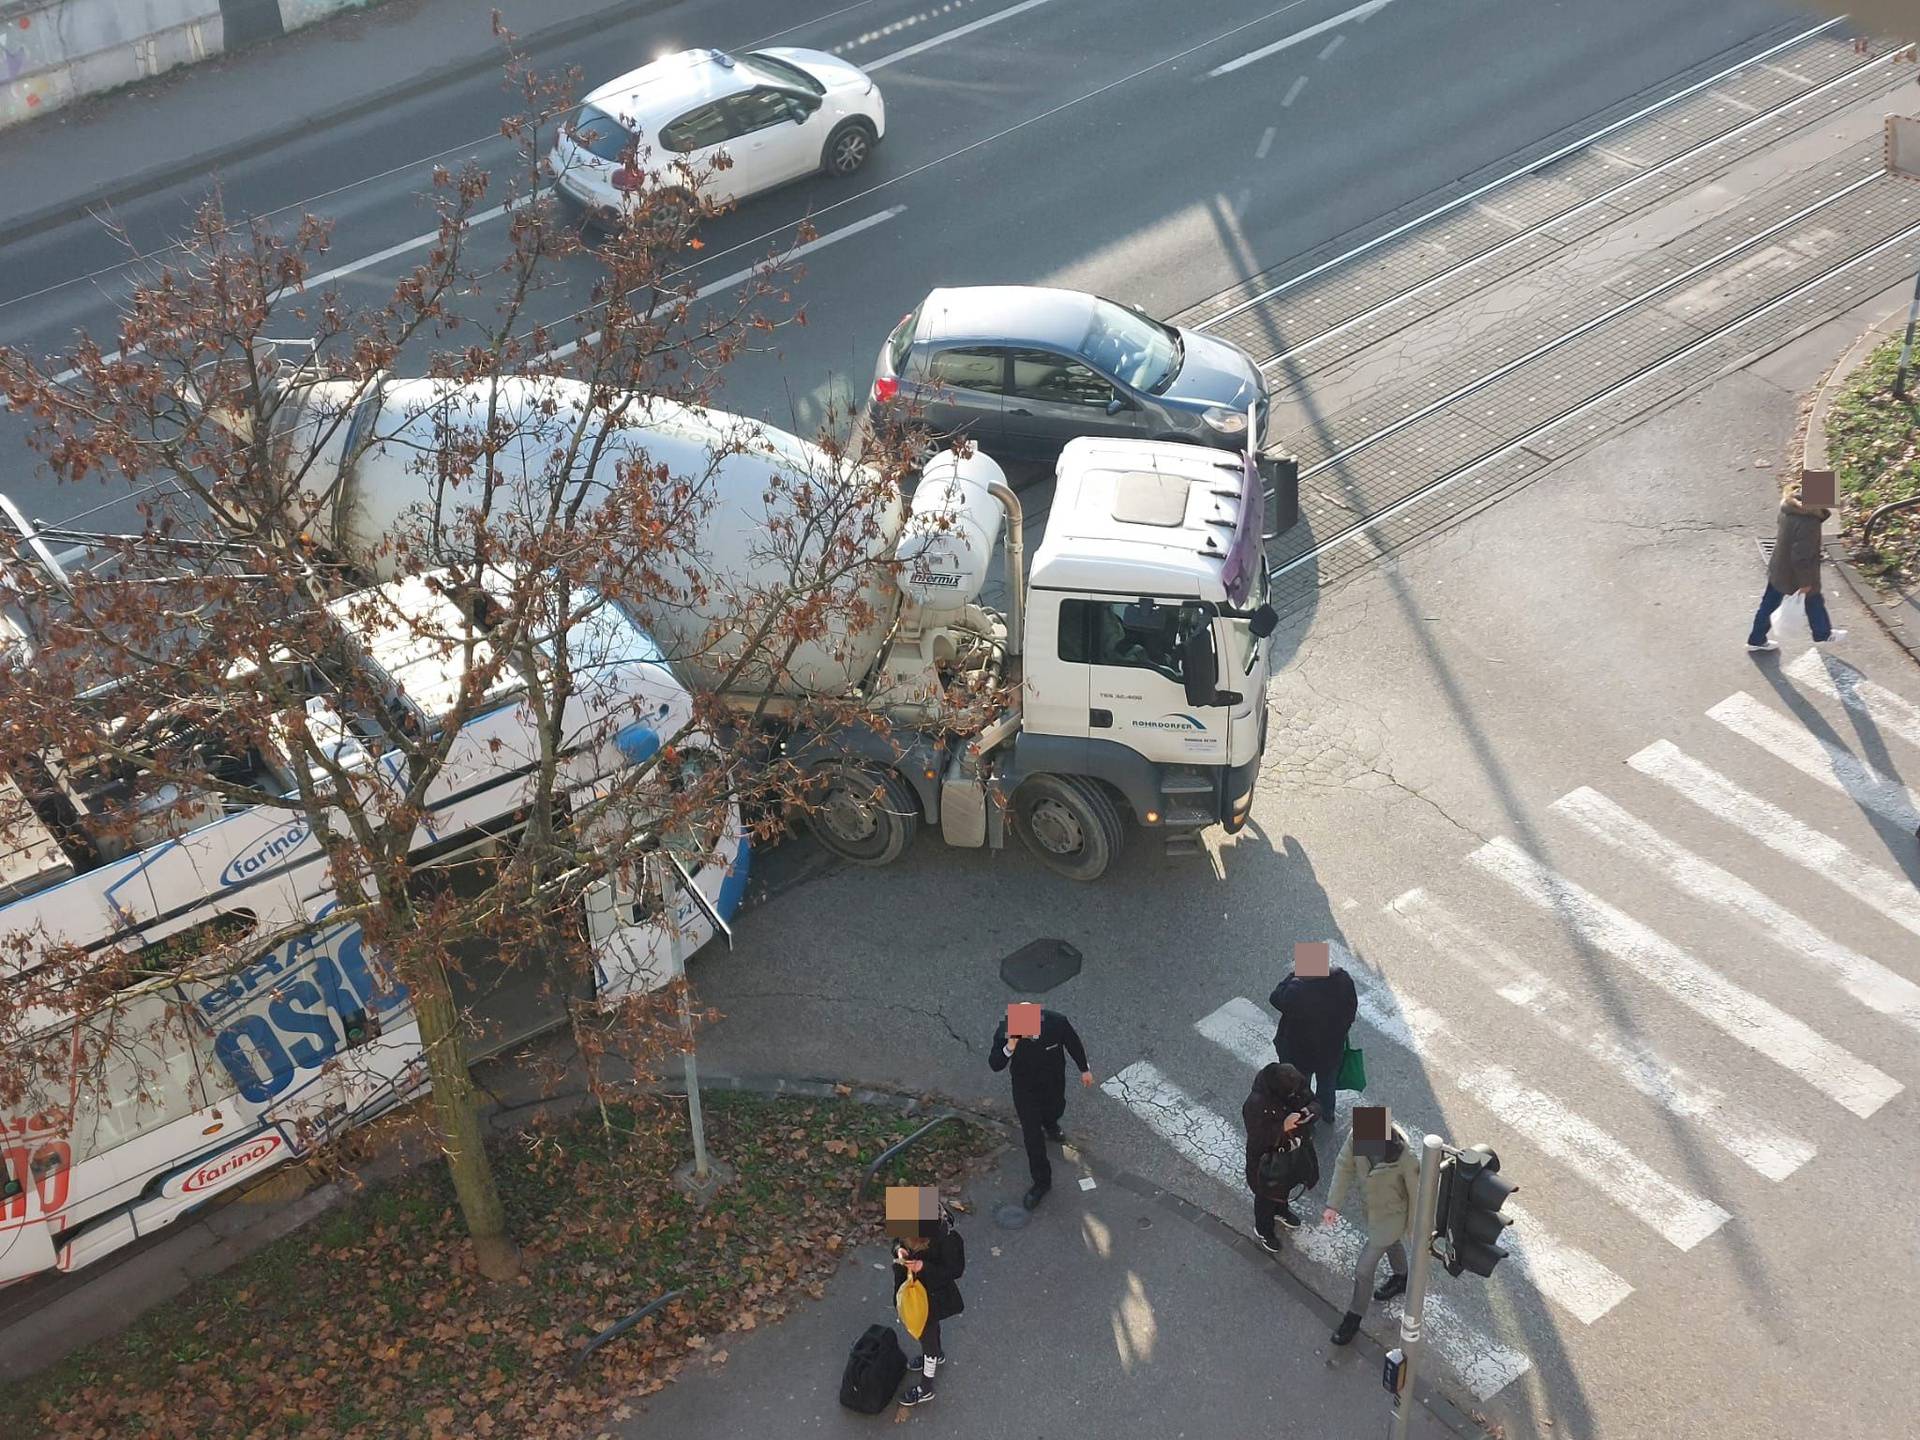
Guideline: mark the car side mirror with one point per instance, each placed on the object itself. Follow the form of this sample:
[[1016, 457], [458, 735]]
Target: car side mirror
[[1263, 622], [1117, 405], [1200, 667]]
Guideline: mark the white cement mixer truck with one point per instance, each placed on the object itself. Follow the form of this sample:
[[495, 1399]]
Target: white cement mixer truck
[[1129, 666]]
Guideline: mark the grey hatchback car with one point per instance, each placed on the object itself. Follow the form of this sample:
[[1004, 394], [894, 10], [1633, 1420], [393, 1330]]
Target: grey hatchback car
[[1020, 370]]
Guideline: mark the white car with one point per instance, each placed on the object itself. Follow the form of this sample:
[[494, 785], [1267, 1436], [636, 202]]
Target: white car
[[777, 115]]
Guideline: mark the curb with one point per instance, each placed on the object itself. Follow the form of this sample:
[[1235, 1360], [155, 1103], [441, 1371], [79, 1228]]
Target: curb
[[142, 184], [1899, 617], [1434, 1400]]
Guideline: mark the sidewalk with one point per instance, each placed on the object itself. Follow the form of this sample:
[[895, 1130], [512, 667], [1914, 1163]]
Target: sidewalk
[[158, 133], [1117, 1311]]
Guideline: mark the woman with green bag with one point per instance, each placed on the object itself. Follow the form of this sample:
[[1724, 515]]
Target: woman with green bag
[[1317, 1003]]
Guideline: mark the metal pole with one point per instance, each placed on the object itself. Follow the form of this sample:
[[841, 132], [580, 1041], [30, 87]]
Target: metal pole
[[690, 1063], [1422, 1262], [1906, 348]]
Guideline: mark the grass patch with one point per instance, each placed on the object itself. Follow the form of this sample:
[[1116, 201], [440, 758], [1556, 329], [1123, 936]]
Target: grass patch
[[372, 1323], [1873, 444]]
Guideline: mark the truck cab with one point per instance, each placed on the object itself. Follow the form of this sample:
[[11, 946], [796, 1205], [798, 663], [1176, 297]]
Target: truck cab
[[1147, 644]]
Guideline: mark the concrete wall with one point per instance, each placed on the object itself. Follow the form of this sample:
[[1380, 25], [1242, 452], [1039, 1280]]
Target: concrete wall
[[53, 52]]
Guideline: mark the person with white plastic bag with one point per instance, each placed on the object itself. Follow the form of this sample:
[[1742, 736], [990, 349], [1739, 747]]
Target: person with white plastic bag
[[1794, 570]]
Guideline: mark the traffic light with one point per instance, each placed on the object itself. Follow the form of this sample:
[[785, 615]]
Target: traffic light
[[1471, 1194]]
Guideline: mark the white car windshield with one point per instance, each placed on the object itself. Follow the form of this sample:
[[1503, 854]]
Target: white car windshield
[[1127, 345], [781, 74]]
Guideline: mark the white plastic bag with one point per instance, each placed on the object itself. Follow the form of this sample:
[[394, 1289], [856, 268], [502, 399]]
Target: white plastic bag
[[1791, 617]]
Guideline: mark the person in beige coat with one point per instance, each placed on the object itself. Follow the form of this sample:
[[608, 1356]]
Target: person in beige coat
[[1795, 570], [1389, 1184]]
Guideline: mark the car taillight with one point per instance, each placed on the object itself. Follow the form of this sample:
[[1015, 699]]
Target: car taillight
[[884, 389]]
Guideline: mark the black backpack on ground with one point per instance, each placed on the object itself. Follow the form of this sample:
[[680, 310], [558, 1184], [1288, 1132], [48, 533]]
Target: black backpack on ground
[[874, 1371]]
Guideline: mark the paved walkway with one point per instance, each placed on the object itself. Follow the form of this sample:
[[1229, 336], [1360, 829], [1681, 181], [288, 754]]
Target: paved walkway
[[1118, 1311]]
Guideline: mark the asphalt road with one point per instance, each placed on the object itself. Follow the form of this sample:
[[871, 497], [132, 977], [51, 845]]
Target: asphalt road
[[1508, 683], [1062, 142]]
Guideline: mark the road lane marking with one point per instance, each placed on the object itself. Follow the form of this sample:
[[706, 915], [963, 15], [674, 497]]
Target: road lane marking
[[1299, 37], [1217, 1147], [1680, 1217], [1540, 164], [1326, 51], [1564, 1274], [954, 34], [1873, 703], [1818, 758], [1780, 832], [1293, 91], [1266, 144], [740, 277], [1754, 1142], [1763, 1028], [1867, 981]]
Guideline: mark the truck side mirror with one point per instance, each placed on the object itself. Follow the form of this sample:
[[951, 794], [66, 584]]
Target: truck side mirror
[[1200, 667], [1263, 622]]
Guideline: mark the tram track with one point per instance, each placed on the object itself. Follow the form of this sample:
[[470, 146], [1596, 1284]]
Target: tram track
[[1902, 244]]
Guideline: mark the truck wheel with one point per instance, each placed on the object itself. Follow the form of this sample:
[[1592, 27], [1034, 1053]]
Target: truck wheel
[[1070, 823], [864, 815]]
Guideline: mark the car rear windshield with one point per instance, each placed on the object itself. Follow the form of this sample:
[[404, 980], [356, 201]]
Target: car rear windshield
[[598, 133], [783, 73], [901, 340], [1142, 352]]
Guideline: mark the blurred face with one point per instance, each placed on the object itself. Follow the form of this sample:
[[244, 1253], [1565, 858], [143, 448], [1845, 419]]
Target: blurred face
[[1310, 960]]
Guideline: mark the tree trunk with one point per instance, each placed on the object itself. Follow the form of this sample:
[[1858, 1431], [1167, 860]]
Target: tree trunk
[[457, 1113]]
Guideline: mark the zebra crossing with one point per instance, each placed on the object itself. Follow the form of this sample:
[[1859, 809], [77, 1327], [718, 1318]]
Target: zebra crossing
[[1543, 1113]]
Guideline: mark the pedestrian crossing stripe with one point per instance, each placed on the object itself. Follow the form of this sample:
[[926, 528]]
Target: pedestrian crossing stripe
[[1866, 980], [1564, 1274], [1754, 1141], [1760, 1026], [1820, 758], [1680, 1217], [1876, 705], [1780, 832], [1217, 1147]]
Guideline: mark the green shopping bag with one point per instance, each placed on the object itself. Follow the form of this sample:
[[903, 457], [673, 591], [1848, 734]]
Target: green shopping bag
[[1353, 1070]]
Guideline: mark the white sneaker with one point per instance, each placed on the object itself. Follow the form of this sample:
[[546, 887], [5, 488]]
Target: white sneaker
[[1834, 638], [1767, 644]]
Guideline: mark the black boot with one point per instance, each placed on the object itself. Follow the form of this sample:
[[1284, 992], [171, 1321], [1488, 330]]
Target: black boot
[[1349, 1327], [1395, 1284], [1034, 1196]]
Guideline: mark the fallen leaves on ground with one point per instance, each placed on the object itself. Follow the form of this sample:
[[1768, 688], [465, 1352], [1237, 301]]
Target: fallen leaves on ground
[[372, 1324]]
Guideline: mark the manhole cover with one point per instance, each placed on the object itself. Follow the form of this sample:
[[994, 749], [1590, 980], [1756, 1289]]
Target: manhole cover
[[1012, 1217], [1040, 965]]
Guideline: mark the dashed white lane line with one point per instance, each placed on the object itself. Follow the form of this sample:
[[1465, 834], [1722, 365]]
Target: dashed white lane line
[[1299, 37], [954, 34], [1266, 144], [1293, 91], [740, 277], [1217, 1147], [1761, 1026]]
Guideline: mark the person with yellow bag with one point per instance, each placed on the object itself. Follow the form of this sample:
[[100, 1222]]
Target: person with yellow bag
[[928, 1262]]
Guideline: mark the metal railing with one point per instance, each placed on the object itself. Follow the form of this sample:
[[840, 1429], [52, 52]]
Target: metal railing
[[621, 1327], [866, 1180]]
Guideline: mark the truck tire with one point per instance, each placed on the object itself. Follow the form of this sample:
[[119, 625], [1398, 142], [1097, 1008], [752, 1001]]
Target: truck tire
[[863, 814], [1070, 823]]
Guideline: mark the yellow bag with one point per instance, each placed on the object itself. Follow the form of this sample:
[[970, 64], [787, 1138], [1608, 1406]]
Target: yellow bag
[[911, 1301]]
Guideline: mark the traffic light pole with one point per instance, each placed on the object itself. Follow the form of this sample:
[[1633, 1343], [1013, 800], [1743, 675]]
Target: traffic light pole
[[1413, 1307]]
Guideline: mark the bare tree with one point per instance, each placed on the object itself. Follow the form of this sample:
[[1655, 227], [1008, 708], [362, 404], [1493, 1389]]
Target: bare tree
[[306, 526]]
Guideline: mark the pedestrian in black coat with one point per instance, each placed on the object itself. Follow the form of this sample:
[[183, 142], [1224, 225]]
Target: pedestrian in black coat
[[939, 1260], [1317, 1003], [1279, 1113], [1039, 1066]]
